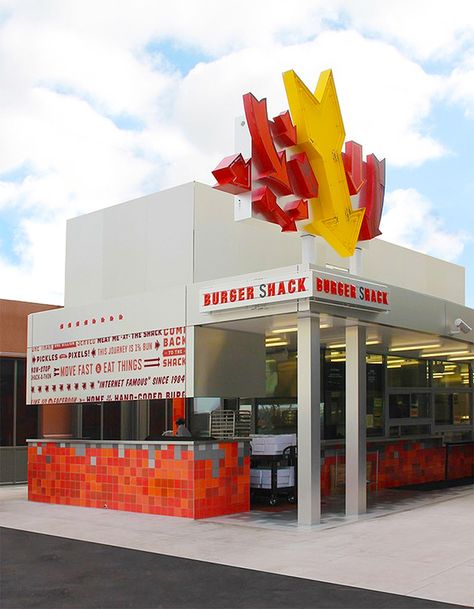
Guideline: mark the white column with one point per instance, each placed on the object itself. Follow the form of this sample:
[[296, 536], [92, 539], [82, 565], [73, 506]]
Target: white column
[[355, 262], [356, 497], [308, 248], [309, 432]]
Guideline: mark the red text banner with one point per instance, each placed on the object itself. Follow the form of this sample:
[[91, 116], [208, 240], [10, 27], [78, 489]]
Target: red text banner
[[141, 365]]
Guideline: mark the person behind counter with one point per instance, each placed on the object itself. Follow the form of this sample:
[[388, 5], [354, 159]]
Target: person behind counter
[[181, 430]]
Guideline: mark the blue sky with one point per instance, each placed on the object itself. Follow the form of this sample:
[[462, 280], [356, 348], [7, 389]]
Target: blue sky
[[103, 102]]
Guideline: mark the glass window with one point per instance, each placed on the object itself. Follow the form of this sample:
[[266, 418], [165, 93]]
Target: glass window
[[449, 374], [375, 415], [334, 375], [396, 431], [409, 405], [112, 420], [91, 421], [402, 372], [452, 409], [443, 409], [276, 417], [7, 376], [26, 416], [461, 409], [281, 376]]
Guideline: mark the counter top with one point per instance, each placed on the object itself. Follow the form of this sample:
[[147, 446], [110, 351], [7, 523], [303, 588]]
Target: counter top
[[108, 443]]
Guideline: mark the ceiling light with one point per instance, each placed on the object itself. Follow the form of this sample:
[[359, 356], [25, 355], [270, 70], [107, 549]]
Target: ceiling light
[[280, 343], [337, 359], [283, 330], [343, 345], [466, 357], [443, 353], [413, 347]]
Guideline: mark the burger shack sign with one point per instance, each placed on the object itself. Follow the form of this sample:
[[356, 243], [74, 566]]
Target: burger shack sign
[[275, 288]]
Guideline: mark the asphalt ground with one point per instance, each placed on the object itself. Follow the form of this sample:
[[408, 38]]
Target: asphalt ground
[[46, 572]]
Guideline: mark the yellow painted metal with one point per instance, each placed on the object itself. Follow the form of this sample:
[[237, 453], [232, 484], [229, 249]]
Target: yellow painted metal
[[320, 133]]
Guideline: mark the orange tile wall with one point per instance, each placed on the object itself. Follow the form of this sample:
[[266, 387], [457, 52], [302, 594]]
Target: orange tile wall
[[405, 462], [192, 480]]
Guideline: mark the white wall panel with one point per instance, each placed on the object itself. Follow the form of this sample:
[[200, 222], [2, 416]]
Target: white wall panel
[[137, 246]]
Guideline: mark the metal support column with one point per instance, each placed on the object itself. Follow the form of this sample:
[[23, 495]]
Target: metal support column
[[309, 432], [356, 492]]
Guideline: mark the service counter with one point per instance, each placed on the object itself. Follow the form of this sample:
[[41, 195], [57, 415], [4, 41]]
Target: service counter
[[187, 478]]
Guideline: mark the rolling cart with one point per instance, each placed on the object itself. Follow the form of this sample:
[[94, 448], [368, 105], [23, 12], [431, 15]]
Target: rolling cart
[[273, 469]]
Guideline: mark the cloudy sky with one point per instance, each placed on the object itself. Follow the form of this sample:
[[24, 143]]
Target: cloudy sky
[[102, 101]]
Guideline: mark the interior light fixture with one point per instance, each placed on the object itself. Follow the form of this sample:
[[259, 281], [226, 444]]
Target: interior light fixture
[[343, 345], [295, 329], [337, 359], [456, 359], [394, 366], [280, 343], [443, 353], [284, 330], [269, 339], [413, 347]]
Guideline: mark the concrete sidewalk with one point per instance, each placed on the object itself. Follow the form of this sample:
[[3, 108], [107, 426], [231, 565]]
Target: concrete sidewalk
[[425, 552]]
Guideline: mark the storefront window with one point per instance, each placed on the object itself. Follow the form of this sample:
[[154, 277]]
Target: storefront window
[[281, 376], [91, 421], [26, 416], [397, 431], [276, 417], [375, 392], [409, 405], [7, 410], [112, 421], [450, 374], [402, 372], [452, 409], [461, 409], [334, 382]]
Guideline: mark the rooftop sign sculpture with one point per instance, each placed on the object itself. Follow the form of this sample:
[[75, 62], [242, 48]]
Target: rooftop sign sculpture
[[298, 171]]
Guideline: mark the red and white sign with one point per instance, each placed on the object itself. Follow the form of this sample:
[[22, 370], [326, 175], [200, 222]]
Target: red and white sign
[[327, 287], [259, 291], [143, 365], [350, 291]]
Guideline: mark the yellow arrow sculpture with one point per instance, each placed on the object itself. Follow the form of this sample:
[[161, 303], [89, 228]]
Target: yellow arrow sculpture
[[320, 133]]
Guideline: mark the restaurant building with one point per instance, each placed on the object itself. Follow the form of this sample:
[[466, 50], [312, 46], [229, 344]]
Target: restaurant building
[[174, 309]]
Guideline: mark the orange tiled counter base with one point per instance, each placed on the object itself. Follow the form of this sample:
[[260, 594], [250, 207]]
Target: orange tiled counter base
[[400, 463], [193, 479]]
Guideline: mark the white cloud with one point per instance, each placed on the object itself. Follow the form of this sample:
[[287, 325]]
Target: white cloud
[[409, 219], [76, 70], [425, 29], [39, 277]]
